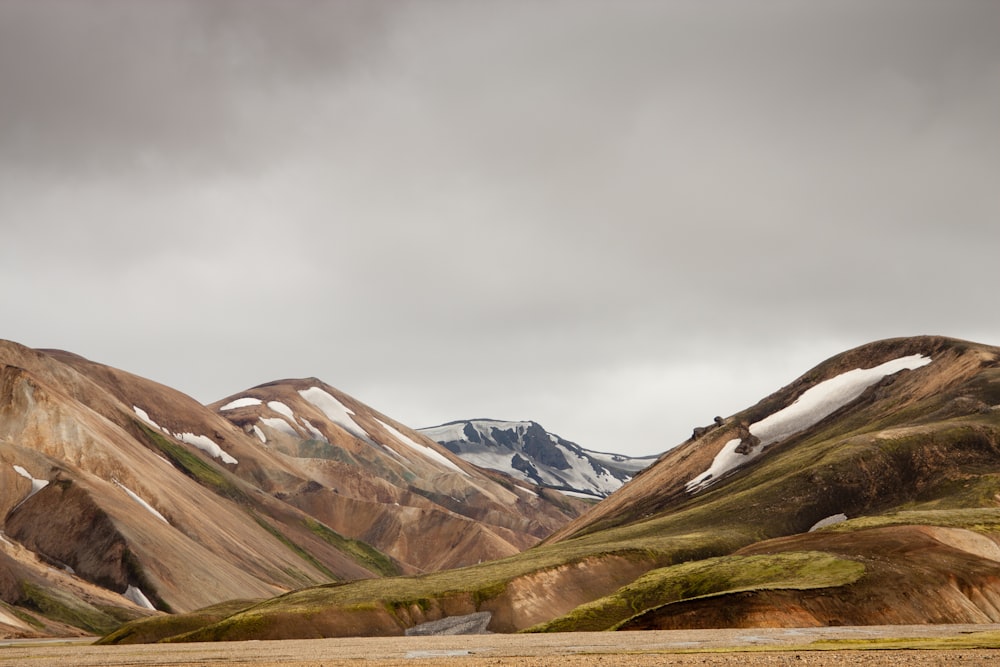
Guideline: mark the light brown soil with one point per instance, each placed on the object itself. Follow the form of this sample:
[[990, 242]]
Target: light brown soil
[[641, 649]]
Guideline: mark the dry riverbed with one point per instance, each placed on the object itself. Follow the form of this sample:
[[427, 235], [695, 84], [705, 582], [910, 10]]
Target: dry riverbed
[[747, 647]]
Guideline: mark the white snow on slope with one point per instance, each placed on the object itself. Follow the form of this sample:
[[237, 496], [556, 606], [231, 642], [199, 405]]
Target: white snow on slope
[[244, 402], [36, 484], [135, 496], [136, 595], [811, 407], [423, 450], [144, 416], [578, 494], [281, 409], [631, 464], [204, 443], [445, 432], [260, 434], [334, 410], [313, 431], [278, 424]]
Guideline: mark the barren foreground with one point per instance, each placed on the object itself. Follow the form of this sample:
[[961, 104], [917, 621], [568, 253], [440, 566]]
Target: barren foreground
[[745, 647]]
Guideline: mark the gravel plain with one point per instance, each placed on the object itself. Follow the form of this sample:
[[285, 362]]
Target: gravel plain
[[746, 647]]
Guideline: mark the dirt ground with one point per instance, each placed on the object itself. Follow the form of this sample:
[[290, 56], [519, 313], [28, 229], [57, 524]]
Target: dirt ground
[[745, 648]]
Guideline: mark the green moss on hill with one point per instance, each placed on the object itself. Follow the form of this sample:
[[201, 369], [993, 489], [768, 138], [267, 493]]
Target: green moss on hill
[[727, 574], [363, 553]]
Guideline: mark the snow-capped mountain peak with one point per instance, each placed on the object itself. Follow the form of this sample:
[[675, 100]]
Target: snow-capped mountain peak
[[525, 450]]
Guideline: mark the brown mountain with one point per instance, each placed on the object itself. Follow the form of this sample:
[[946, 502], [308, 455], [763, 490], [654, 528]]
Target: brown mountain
[[867, 491], [373, 479], [114, 485]]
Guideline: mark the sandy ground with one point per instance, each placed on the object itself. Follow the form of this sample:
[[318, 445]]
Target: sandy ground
[[741, 647]]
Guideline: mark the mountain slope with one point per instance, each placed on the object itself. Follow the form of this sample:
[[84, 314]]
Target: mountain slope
[[376, 480], [526, 451], [140, 495], [899, 437], [125, 505]]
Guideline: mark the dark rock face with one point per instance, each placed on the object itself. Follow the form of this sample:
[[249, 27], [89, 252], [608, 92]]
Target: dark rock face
[[747, 440], [65, 527], [518, 462], [472, 434], [538, 445]]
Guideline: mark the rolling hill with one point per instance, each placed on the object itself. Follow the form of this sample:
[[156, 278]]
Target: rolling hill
[[867, 491]]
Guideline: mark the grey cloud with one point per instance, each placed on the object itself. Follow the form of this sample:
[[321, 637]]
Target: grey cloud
[[114, 84], [612, 217]]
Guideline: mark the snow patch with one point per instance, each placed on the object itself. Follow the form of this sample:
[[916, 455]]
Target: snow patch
[[260, 434], [135, 496], [423, 450], [446, 432], [313, 431], [204, 443], [579, 494], [279, 424], [815, 404], [244, 402], [136, 595], [36, 484], [335, 411], [144, 416], [828, 521], [281, 409]]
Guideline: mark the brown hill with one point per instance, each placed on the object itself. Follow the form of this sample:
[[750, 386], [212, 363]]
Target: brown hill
[[128, 485]]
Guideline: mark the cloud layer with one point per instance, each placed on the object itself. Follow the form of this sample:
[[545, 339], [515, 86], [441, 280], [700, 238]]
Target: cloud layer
[[618, 219]]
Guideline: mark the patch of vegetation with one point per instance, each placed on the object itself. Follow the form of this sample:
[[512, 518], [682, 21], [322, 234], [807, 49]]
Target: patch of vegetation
[[974, 640], [295, 548], [153, 628], [362, 552], [727, 574], [978, 519], [960, 492], [67, 608], [321, 449], [481, 595], [194, 467]]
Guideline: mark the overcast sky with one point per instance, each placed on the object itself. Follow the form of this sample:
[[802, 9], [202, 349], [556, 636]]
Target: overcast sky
[[616, 218]]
